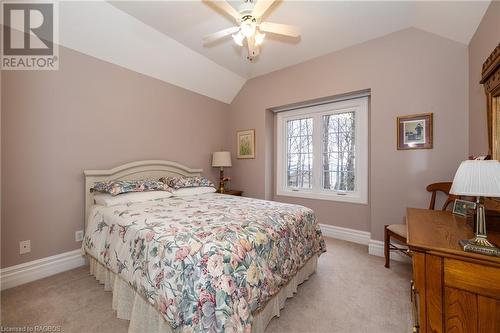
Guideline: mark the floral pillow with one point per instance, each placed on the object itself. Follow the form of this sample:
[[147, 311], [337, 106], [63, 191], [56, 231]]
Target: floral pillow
[[125, 186], [183, 182]]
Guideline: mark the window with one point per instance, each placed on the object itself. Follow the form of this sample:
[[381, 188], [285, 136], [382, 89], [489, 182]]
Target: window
[[299, 152], [323, 151]]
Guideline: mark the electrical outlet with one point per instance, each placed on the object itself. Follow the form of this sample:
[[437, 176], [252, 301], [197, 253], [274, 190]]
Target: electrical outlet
[[24, 247], [79, 236]]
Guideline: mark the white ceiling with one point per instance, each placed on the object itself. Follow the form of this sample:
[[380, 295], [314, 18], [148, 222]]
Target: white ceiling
[[325, 26], [100, 30], [163, 39]]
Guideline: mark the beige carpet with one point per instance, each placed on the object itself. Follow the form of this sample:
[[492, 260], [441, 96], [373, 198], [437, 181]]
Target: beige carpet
[[350, 292]]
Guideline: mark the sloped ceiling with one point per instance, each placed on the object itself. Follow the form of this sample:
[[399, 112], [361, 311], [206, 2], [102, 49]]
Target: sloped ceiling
[[163, 39], [101, 30]]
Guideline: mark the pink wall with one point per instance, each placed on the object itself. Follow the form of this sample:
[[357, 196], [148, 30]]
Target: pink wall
[[408, 72], [483, 42], [92, 114], [88, 115]]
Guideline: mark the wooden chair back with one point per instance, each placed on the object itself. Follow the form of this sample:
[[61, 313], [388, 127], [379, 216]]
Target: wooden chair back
[[443, 187]]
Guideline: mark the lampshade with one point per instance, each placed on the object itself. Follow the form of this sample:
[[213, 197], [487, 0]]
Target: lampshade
[[221, 159], [477, 178]]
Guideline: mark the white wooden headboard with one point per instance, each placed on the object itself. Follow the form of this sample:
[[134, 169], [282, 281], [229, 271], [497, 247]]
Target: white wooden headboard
[[152, 169]]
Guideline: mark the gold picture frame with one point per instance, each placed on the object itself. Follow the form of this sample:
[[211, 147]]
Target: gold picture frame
[[415, 131], [490, 79], [245, 144]]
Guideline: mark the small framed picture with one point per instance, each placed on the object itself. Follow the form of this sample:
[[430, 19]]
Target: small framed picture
[[460, 207], [245, 144], [415, 131]]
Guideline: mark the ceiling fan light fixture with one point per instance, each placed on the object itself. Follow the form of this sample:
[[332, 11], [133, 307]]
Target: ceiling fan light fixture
[[259, 38], [238, 38], [247, 29]]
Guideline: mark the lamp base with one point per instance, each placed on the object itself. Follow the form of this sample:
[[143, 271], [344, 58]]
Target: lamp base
[[221, 180], [480, 245]]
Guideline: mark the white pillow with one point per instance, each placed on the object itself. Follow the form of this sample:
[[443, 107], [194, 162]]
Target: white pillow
[[183, 192], [106, 199]]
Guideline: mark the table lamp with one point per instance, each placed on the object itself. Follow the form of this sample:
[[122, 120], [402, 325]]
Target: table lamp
[[221, 159], [478, 178]]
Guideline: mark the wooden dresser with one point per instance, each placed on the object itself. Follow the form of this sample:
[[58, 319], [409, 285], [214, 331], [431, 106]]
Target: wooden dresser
[[452, 290]]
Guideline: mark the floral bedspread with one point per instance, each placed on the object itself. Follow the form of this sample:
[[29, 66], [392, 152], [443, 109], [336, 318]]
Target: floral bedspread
[[206, 262]]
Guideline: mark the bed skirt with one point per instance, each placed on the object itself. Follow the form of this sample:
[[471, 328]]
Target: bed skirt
[[144, 317]]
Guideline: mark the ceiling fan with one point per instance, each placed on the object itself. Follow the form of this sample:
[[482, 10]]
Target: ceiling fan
[[249, 25]]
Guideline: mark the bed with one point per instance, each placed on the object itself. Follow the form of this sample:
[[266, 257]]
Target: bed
[[205, 263]]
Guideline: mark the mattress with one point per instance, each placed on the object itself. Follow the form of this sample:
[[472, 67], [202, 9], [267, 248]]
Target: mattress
[[206, 263]]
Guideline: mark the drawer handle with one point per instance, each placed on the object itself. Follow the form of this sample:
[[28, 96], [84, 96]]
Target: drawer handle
[[415, 302]]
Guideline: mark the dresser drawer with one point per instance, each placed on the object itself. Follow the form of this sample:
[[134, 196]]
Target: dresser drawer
[[479, 279]]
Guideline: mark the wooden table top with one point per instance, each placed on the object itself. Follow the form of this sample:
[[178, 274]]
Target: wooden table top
[[438, 231]]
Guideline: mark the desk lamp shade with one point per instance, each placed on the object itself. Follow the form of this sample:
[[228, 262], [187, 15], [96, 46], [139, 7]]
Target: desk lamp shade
[[477, 178]]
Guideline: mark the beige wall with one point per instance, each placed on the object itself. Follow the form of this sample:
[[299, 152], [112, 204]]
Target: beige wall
[[408, 72], [483, 42], [88, 115]]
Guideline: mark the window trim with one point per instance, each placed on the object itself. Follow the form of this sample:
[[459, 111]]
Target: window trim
[[360, 107]]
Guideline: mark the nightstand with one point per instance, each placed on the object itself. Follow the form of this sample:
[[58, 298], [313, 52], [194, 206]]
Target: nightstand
[[232, 192]]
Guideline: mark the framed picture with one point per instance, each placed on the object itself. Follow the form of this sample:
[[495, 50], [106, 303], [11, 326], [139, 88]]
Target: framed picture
[[246, 143], [460, 207], [415, 131]]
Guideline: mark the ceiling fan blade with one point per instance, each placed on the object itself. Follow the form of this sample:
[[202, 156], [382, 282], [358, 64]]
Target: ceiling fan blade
[[220, 34], [253, 50], [280, 29], [261, 7], [225, 7]]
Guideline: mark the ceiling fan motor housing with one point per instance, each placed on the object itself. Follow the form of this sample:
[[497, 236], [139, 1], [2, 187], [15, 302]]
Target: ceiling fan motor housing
[[246, 8]]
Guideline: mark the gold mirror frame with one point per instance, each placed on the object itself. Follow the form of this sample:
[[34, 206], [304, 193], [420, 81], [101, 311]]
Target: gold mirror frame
[[491, 81]]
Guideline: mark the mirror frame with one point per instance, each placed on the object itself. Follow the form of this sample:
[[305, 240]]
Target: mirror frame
[[490, 78]]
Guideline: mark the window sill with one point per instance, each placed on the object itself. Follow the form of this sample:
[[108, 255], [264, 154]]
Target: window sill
[[324, 196]]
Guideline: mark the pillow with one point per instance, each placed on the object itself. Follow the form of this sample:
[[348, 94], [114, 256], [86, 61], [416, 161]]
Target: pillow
[[183, 192], [124, 186], [106, 199], [183, 182]]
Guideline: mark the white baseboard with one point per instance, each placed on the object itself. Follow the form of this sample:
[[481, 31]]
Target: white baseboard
[[37, 269], [350, 235], [376, 248]]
